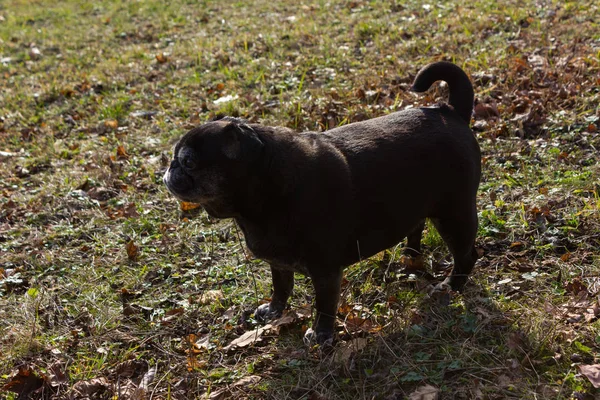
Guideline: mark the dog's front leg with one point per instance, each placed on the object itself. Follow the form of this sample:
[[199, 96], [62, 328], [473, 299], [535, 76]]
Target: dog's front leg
[[327, 293], [283, 284]]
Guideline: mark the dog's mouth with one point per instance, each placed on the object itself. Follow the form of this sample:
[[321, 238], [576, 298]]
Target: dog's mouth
[[184, 189]]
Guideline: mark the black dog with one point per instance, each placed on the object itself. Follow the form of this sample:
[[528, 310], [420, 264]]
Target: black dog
[[314, 203]]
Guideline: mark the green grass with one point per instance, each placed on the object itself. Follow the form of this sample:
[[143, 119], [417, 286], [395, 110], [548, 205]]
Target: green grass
[[75, 307]]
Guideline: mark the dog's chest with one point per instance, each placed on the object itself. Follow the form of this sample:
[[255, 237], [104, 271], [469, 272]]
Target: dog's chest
[[292, 267], [275, 247]]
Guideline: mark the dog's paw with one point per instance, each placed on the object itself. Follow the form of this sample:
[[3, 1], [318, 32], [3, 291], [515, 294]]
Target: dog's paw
[[440, 292], [266, 312], [323, 339]]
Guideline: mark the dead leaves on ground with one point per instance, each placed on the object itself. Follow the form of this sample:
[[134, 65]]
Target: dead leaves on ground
[[272, 329], [132, 250], [185, 206], [197, 344], [130, 380], [592, 372], [24, 382], [232, 390], [580, 308], [425, 392]]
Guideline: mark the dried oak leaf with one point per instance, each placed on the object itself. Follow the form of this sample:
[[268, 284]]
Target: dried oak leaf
[[132, 250], [122, 153], [227, 392], [161, 58], [23, 382], [127, 390], [130, 368], [111, 123], [193, 350], [102, 193], [185, 206], [486, 111], [91, 387], [425, 392], [347, 349], [575, 286], [592, 372], [148, 378], [58, 374], [130, 211], [287, 318], [211, 296], [248, 338]]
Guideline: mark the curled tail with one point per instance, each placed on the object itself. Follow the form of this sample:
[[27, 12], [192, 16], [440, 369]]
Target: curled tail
[[461, 89]]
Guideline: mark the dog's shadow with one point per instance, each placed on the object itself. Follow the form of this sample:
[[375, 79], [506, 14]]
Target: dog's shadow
[[470, 348]]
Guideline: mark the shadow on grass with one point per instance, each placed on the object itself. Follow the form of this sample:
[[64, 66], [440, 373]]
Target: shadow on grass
[[469, 349]]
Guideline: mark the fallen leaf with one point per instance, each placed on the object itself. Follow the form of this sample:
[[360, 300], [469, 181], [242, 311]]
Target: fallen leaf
[[537, 61], [91, 387], [227, 392], [203, 342], [413, 264], [102, 193], [130, 211], [127, 390], [354, 323], [344, 308], [345, 350], [425, 392], [247, 381], [304, 312], [486, 111], [287, 318], [121, 153], [504, 381], [592, 372], [516, 341], [248, 338], [211, 296], [148, 378], [111, 123], [23, 382], [130, 368], [143, 114], [132, 250], [576, 286], [162, 58], [58, 374], [35, 53], [185, 206], [225, 99], [171, 316]]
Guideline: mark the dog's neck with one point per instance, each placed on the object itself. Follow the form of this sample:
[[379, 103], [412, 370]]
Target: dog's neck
[[269, 182]]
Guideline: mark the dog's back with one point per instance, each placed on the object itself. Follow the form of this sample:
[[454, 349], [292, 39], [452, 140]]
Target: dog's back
[[425, 160]]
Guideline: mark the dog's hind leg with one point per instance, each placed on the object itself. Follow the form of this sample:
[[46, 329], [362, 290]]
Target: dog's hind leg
[[459, 234], [413, 240], [283, 284]]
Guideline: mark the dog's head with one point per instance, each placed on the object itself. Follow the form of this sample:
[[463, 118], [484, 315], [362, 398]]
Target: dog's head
[[211, 161]]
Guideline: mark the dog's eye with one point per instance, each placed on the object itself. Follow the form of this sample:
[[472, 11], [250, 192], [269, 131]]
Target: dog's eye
[[188, 163]]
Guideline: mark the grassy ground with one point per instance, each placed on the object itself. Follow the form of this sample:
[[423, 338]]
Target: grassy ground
[[109, 288]]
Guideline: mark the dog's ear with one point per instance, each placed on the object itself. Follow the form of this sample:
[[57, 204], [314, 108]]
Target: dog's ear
[[241, 141]]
